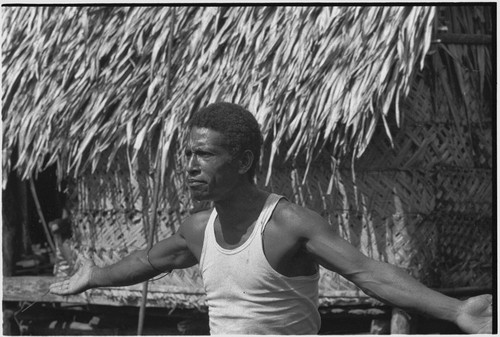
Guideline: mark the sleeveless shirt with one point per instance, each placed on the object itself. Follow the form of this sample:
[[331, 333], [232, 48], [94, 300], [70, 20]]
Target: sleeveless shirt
[[245, 295]]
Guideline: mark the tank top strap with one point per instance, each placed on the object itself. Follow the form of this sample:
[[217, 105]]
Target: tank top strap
[[268, 210], [209, 235], [211, 220]]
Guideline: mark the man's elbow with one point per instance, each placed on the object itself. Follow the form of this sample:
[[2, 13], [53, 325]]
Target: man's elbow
[[373, 277]]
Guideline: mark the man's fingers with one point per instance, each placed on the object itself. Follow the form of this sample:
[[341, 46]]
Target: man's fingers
[[489, 297], [55, 287], [59, 287], [489, 310], [79, 260]]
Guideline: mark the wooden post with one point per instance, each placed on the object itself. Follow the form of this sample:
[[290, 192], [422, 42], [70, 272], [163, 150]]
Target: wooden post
[[400, 322], [380, 326], [8, 318], [8, 231], [11, 219]]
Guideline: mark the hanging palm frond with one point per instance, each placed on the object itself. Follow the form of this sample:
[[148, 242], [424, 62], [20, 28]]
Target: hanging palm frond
[[465, 61]]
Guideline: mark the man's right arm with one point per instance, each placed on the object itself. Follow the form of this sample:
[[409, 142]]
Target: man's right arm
[[168, 254], [164, 256]]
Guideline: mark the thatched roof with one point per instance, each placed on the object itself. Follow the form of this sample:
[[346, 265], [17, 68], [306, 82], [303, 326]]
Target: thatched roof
[[82, 82]]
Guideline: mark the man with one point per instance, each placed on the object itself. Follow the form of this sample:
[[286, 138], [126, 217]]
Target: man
[[259, 254]]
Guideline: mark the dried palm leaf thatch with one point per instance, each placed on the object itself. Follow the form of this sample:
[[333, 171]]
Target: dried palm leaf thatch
[[83, 80]]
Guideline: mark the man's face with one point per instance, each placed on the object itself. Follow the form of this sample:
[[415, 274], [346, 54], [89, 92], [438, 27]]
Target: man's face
[[211, 172]]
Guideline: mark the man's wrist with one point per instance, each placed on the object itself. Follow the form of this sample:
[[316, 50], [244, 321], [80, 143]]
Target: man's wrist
[[457, 311], [93, 277]]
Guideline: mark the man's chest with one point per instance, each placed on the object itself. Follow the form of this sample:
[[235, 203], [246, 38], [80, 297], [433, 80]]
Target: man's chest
[[282, 251]]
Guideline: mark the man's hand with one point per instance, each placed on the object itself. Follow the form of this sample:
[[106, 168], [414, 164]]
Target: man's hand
[[475, 315], [78, 282]]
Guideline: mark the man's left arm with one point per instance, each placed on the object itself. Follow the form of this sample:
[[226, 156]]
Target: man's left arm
[[386, 282]]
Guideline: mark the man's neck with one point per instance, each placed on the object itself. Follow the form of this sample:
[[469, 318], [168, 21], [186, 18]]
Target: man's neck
[[241, 207]]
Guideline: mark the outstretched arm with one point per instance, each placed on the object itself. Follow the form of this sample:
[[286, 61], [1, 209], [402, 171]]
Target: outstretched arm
[[168, 254], [386, 282]]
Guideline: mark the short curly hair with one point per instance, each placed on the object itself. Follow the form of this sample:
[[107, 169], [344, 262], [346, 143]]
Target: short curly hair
[[238, 126]]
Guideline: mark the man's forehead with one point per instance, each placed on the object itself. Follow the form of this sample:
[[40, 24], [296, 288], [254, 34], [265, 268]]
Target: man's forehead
[[200, 136]]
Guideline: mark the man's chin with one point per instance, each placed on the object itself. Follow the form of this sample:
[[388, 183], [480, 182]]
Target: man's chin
[[200, 196]]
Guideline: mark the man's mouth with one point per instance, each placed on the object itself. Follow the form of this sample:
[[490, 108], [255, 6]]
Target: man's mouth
[[195, 183]]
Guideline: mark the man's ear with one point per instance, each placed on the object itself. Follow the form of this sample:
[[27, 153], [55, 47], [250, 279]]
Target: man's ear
[[245, 161]]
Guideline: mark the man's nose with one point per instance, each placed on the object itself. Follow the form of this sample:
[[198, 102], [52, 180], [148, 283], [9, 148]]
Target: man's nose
[[193, 166]]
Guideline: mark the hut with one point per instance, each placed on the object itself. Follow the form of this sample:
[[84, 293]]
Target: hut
[[378, 117]]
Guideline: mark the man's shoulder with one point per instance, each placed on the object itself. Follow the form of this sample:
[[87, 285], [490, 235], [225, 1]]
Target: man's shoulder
[[293, 216], [196, 223], [289, 210]]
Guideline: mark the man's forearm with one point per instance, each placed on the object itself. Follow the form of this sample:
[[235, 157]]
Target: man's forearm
[[130, 270], [394, 286]]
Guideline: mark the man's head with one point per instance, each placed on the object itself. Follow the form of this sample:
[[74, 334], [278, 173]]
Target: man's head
[[239, 127]]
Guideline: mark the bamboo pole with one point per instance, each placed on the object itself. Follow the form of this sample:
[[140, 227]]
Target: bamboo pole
[[156, 190], [42, 218], [23, 201], [451, 38]]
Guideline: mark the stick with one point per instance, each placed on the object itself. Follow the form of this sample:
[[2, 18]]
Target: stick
[[152, 228], [29, 306], [42, 218]]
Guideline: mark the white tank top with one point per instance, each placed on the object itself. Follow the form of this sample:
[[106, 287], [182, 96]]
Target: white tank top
[[245, 295]]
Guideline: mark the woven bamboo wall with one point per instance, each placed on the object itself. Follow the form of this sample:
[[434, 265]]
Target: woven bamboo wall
[[109, 213], [424, 205]]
